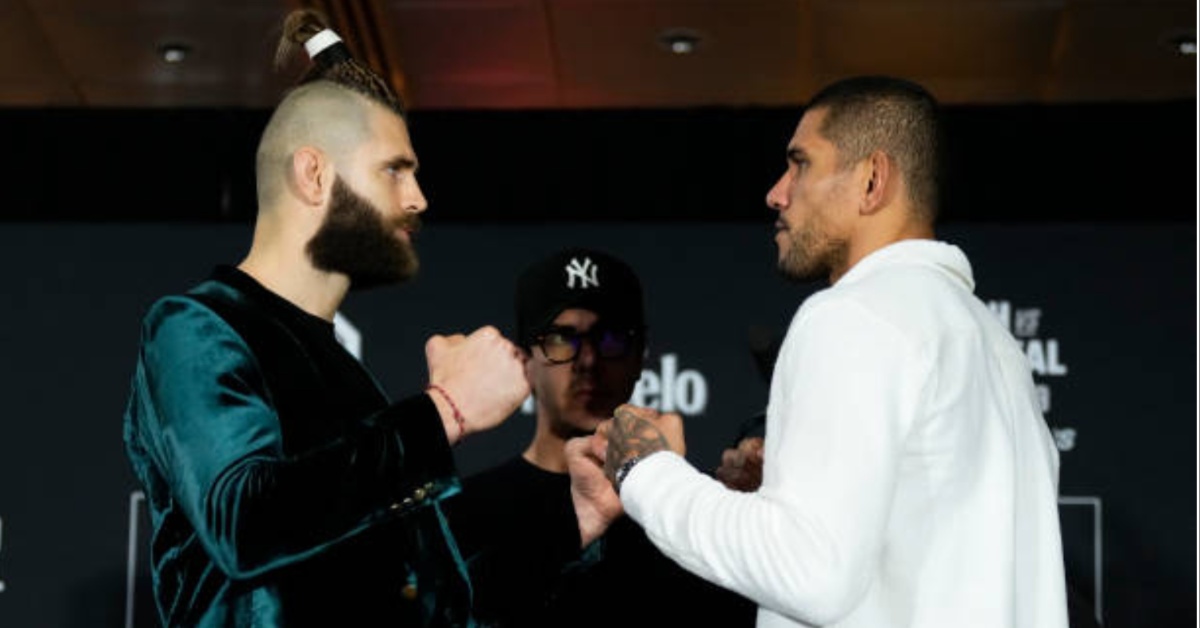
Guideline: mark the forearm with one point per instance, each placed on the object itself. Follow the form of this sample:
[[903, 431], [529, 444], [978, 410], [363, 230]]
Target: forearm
[[211, 424], [755, 544], [265, 511]]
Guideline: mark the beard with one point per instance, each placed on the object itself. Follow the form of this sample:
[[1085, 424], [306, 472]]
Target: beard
[[813, 254], [356, 240], [566, 430]]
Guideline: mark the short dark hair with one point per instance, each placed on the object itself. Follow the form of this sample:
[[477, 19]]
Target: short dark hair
[[899, 117]]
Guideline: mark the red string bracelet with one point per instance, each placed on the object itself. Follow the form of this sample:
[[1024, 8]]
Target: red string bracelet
[[458, 417]]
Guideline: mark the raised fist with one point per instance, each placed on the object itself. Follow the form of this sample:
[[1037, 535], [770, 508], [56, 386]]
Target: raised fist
[[482, 374]]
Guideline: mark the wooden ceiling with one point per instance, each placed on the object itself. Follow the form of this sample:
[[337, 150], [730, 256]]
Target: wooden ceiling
[[586, 54]]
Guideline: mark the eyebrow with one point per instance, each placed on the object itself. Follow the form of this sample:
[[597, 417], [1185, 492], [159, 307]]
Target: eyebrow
[[402, 163]]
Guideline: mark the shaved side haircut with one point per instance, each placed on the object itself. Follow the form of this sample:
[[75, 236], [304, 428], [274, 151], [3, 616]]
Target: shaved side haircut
[[898, 117], [328, 109]]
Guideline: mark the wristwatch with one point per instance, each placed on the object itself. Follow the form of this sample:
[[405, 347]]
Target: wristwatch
[[624, 470]]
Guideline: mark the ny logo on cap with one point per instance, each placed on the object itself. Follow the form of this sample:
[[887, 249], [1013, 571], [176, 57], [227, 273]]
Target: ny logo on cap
[[585, 272]]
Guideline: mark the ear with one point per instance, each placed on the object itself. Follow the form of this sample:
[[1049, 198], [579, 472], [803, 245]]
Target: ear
[[527, 357], [312, 174], [879, 178]]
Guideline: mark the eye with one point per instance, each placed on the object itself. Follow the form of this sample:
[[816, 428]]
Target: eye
[[612, 344], [558, 339]]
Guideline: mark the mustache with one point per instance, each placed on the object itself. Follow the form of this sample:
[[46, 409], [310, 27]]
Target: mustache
[[409, 222], [584, 381]]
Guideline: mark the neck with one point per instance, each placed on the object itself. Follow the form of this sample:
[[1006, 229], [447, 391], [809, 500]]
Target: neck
[[546, 450], [865, 243], [288, 272]]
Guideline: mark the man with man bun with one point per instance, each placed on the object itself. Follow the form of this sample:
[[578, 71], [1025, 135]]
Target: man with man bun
[[284, 487]]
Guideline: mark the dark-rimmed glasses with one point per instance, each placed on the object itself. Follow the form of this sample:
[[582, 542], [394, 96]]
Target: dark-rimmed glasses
[[561, 344]]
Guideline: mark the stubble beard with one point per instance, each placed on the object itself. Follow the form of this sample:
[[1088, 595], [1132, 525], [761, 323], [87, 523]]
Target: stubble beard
[[813, 254], [574, 417], [356, 240]]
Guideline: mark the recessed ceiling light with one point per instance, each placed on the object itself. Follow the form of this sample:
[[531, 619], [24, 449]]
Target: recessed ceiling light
[[680, 41], [174, 53], [1183, 43]]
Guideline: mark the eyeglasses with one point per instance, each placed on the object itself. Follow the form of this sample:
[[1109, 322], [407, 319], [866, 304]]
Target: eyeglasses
[[561, 344]]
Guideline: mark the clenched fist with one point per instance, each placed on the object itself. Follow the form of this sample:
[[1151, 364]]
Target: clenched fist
[[741, 467], [636, 432], [596, 503], [483, 374]]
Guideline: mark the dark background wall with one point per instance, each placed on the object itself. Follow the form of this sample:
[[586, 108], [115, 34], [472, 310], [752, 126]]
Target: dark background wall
[[1113, 162], [1080, 224]]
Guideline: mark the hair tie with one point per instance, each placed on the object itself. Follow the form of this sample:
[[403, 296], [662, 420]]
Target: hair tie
[[321, 41]]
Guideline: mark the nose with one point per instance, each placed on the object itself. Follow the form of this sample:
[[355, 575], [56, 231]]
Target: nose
[[777, 196], [414, 199], [585, 358]]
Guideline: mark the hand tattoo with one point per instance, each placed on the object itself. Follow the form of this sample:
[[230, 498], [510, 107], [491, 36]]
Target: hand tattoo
[[630, 435]]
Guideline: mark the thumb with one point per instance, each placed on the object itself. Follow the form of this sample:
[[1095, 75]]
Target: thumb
[[576, 447]]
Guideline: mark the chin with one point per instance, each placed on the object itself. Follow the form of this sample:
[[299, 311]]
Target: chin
[[587, 424]]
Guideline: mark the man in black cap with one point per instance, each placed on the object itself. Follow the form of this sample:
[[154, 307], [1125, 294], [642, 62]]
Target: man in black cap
[[580, 317], [534, 559]]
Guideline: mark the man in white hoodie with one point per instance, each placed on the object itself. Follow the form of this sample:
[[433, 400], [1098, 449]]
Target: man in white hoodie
[[909, 478]]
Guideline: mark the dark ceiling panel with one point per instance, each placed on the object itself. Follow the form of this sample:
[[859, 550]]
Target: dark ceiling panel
[[30, 73], [587, 54], [1123, 51], [748, 53], [114, 56], [967, 51], [472, 54]]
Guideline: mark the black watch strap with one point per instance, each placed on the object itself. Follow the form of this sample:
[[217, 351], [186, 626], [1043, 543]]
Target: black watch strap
[[624, 470]]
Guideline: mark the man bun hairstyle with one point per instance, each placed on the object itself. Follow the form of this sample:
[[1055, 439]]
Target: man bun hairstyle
[[331, 58], [327, 107]]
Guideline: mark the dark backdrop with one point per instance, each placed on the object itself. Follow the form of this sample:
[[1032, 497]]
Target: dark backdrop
[[1080, 223], [1114, 162]]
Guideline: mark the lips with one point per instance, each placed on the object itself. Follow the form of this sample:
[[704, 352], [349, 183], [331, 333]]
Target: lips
[[409, 224]]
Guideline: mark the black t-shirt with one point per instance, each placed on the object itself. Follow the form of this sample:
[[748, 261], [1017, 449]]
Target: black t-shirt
[[516, 526]]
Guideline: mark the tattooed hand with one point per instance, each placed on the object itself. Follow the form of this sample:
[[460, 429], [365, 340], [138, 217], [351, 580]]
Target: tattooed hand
[[635, 431]]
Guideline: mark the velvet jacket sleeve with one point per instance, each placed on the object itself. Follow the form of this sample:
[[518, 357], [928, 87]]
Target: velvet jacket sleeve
[[205, 418]]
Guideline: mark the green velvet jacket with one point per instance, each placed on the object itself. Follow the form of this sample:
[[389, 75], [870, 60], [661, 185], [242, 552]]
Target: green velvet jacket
[[283, 487]]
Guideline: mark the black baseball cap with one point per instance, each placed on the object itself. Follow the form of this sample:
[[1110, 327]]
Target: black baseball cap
[[582, 278]]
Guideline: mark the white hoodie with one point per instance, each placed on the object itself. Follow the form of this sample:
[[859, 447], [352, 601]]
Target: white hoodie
[[910, 479]]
